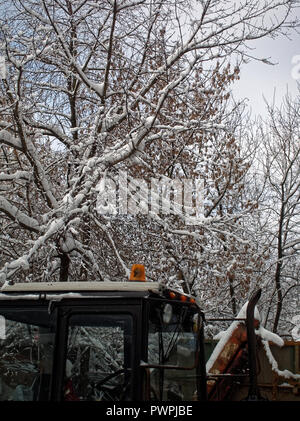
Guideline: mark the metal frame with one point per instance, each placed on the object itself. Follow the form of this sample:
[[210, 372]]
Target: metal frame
[[131, 297], [200, 357], [253, 393], [86, 307]]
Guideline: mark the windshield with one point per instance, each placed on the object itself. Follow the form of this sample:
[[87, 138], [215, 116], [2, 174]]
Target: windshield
[[26, 354], [172, 352], [99, 357]]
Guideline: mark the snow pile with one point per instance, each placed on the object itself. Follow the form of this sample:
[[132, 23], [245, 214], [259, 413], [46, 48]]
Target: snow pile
[[282, 373], [268, 337]]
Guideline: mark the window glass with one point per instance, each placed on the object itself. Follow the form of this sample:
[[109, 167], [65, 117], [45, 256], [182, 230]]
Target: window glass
[[99, 357], [172, 343], [26, 355]]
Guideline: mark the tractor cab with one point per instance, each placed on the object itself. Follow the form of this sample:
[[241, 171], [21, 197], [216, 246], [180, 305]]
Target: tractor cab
[[100, 341]]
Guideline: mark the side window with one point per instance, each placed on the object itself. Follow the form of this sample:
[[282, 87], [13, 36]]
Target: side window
[[172, 347], [99, 358], [26, 351]]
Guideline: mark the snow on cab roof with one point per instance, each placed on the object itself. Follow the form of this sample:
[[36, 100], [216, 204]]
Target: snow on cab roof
[[80, 286]]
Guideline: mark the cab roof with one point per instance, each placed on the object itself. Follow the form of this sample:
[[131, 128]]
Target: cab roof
[[77, 290], [59, 287]]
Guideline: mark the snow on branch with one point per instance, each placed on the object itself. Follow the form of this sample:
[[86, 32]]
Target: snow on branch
[[104, 228], [3, 70], [8, 139], [18, 175], [16, 215], [10, 268], [51, 131]]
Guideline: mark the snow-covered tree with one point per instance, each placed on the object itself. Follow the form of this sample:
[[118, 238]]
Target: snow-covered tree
[[280, 211], [92, 90]]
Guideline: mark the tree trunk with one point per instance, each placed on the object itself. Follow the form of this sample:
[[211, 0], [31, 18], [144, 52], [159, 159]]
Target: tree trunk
[[279, 267], [64, 267], [232, 296]]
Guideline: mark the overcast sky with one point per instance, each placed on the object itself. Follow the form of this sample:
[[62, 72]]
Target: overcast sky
[[259, 79]]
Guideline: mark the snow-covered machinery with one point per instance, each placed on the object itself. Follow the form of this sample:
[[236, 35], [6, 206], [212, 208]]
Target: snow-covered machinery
[[124, 341], [90, 341]]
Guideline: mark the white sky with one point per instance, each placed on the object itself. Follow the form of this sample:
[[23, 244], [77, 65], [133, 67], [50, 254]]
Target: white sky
[[259, 79]]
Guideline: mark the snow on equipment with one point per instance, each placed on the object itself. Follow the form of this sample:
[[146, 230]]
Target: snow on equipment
[[116, 341], [238, 346]]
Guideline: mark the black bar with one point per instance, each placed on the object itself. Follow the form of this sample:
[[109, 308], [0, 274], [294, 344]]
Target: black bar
[[231, 319], [201, 366], [59, 357], [253, 393]]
